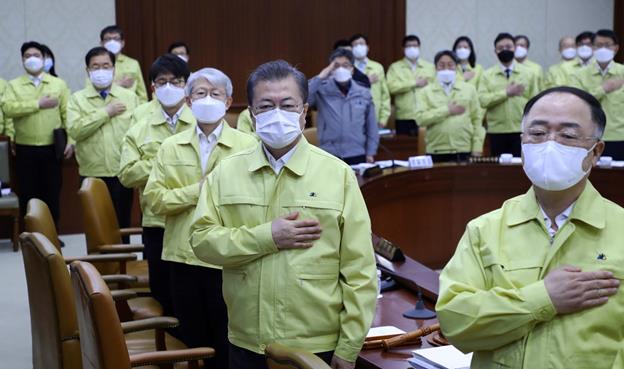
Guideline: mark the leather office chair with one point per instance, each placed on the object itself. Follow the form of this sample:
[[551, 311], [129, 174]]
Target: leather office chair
[[102, 229], [282, 357], [54, 324], [39, 219], [311, 136], [101, 335], [9, 204]]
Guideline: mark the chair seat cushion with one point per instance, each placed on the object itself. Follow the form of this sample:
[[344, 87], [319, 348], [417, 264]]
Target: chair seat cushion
[[9, 202], [144, 307]]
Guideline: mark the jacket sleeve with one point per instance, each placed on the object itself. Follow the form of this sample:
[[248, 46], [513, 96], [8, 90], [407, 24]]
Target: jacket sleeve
[[427, 114], [398, 84], [14, 108], [475, 316], [163, 199], [358, 279], [313, 88], [134, 167], [476, 118], [140, 90], [384, 106], [217, 244], [490, 98], [82, 124], [372, 130]]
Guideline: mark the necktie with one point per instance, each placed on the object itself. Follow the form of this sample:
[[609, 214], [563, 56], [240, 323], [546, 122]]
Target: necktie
[[103, 93], [508, 73]]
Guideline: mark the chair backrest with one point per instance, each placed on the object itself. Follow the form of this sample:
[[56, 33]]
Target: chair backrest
[[100, 219], [282, 357], [53, 322], [39, 219], [101, 337], [311, 136], [5, 159]]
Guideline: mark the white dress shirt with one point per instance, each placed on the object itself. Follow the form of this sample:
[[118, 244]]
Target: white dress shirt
[[559, 220], [278, 164], [36, 80], [207, 144], [172, 121]]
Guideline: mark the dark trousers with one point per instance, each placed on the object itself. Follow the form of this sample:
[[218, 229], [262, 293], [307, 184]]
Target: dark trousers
[[446, 158], [159, 280], [241, 358], [352, 160], [614, 149], [122, 201], [504, 143], [406, 127], [39, 176], [198, 304]]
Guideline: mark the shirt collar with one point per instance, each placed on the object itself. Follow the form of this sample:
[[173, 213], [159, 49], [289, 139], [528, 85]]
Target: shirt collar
[[605, 71], [297, 163], [559, 219], [511, 66], [361, 64], [172, 121], [36, 79], [213, 136], [588, 208]]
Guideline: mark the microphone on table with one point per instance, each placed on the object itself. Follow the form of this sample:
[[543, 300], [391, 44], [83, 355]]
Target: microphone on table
[[419, 311]]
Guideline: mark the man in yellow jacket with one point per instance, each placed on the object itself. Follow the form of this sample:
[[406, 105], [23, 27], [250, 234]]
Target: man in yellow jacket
[[6, 124], [604, 79], [535, 284], [150, 127], [521, 52], [98, 119], [298, 264], [37, 104], [450, 110], [376, 76], [172, 192], [406, 78], [127, 70], [558, 74]]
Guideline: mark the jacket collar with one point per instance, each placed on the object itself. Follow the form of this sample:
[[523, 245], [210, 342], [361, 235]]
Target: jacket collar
[[92, 92], [297, 164], [186, 115], [189, 136]]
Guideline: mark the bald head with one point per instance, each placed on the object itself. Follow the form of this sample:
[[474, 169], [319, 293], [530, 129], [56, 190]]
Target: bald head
[[566, 42]]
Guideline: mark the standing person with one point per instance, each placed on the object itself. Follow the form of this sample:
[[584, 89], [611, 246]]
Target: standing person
[[521, 53], [6, 124], [450, 111], [467, 68], [127, 70], [376, 75], [181, 50], [98, 119], [298, 263], [503, 91], [178, 173], [149, 128], [406, 78], [37, 104], [49, 61], [557, 74]]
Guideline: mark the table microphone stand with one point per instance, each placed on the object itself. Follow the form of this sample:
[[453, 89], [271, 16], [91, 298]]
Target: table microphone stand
[[419, 311]]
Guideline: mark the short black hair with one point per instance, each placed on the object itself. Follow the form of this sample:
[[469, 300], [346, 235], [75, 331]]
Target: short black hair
[[408, 38], [606, 33], [440, 54], [583, 35], [48, 51], [96, 51], [357, 36], [169, 63], [32, 44], [341, 43], [523, 37], [342, 52], [472, 59], [177, 44], [111, 29], [276, 70], [503, 36], [598, 115]]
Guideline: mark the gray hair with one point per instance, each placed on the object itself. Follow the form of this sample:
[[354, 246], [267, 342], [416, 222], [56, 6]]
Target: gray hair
[[212, 75], [275, 71], [341, 51]]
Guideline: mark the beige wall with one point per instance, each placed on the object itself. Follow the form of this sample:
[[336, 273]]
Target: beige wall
[[439, 22], [69, 27]]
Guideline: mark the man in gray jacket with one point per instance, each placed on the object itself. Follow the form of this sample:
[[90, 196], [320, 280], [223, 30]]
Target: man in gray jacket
[[347, 124]]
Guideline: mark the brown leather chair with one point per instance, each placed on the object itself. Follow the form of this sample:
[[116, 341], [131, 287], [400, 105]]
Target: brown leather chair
[[102, 229], [282, 357], [54, 324], [39, 219], [311, 136], [101, 336]]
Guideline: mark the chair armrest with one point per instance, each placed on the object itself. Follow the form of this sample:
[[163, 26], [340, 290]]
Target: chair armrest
[[119, 278], [160, 322], [122, 247], [123, 295], [170, 357], [130, 231], [95, 258]]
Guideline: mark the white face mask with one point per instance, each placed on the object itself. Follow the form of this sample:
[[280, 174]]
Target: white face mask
[[208, 110], [463, 53], [412, 52], [604, 55], [521, 52], [278, 128], [48, 63], [568, 53], [342, 74], [360, 51], [446, 76], [169, 95], [33, 64], [183, 57], [553, 166], [101, 78], [113, 46], [584, 52]]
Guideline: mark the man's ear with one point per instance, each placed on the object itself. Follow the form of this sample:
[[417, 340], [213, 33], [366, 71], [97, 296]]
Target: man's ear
[[598, 150], [228, 102], [188, 101]]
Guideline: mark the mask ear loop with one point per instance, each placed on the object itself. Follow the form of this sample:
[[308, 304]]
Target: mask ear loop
[[591, 149]]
